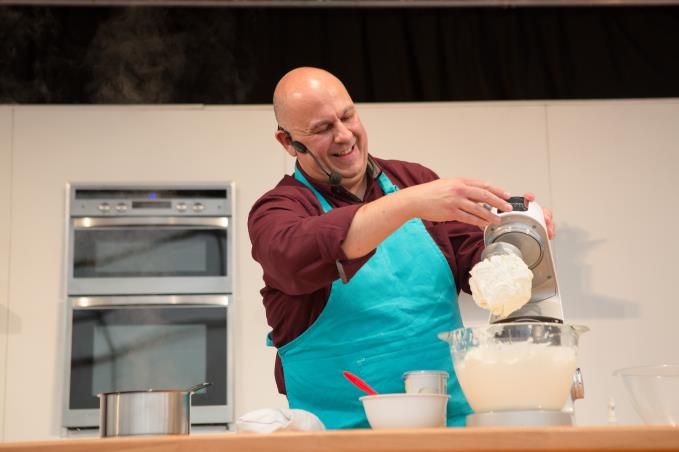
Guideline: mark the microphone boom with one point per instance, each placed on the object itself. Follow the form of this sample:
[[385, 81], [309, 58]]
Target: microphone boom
[[333, 177]]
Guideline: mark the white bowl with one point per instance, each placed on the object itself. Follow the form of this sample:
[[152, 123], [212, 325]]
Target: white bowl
[[405, 410], [654, 391]]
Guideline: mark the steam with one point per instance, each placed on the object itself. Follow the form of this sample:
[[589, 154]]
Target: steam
[[151, 55], [130, 55], [136, 59]]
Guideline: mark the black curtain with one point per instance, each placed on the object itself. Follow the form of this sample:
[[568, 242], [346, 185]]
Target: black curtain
[[235, 55]]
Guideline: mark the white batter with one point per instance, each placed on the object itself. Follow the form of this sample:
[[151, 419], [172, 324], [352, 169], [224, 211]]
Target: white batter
[[501, 284], [517, 376]]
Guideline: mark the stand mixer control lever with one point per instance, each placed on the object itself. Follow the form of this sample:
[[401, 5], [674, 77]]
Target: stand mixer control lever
[[518, 204]]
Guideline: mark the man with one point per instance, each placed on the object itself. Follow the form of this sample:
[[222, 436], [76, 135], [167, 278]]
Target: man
[[362, 257]]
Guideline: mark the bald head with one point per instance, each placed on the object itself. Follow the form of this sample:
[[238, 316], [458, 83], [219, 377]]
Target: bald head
[[300, 88], [315, 111]]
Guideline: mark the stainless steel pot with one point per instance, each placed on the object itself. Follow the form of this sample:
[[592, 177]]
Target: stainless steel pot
[[150, 412]]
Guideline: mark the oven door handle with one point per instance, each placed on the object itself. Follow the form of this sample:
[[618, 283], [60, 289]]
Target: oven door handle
[[132, 301], [96, 222]]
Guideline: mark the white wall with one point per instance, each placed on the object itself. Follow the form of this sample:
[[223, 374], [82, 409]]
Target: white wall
[[604, 167], [5, 215], [614, 169]]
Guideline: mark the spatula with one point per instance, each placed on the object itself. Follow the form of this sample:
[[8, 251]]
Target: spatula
[[360, 384]]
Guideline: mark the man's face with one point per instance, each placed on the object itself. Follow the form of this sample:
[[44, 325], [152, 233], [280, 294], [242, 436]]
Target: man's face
[[326, 121]]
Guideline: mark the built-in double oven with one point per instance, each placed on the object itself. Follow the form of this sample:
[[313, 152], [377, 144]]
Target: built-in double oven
[[150, 273]]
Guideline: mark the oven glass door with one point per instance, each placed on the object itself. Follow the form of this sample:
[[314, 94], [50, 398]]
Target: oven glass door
[[121, 256], [148, 347]]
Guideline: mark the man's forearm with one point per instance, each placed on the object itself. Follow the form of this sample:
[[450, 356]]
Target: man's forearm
[[438, 200], [375, 221]]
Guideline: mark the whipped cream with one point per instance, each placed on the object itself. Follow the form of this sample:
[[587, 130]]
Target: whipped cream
[[501, 284]]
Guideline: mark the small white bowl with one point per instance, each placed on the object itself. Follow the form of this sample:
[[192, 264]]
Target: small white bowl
[[405, 410]]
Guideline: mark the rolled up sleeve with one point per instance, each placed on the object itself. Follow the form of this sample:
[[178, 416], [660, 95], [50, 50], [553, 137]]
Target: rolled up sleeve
[[298, 246]]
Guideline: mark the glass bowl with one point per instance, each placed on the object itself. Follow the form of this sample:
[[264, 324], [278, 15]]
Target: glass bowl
[[515, 366], [654, 391]]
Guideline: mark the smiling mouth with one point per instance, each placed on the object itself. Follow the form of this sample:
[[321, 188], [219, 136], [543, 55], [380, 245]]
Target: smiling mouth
[[345, 152]]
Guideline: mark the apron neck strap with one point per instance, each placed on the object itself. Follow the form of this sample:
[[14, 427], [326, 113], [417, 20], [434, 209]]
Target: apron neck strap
[[385, 184], [300, 177]]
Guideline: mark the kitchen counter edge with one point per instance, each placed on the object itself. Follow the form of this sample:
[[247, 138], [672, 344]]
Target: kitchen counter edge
[[638, 438]]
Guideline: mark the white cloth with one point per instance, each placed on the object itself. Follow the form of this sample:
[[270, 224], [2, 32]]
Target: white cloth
[[269, 420], [501, 284]]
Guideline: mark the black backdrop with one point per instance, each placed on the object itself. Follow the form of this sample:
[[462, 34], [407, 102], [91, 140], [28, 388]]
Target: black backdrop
[[235, 55]]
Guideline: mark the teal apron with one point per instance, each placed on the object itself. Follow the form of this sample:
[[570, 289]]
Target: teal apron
[[380, 324]]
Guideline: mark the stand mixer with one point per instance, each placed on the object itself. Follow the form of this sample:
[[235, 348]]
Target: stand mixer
[[523, 232]]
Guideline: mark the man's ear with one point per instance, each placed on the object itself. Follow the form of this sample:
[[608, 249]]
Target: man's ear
[[285, 140]]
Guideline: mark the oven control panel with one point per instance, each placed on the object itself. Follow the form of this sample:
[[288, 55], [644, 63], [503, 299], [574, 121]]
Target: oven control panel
[[87, 201]]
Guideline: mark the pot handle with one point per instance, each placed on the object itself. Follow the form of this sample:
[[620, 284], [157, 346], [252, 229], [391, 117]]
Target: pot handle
[[198, 387]]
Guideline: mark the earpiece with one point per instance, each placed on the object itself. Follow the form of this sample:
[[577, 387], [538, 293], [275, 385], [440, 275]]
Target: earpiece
[[299, 147]]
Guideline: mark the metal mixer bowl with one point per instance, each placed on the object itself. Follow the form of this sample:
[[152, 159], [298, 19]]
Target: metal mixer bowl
[[654, 391], [515, 366]]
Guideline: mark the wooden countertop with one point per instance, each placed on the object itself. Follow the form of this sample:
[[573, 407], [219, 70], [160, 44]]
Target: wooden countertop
[[628, 438]]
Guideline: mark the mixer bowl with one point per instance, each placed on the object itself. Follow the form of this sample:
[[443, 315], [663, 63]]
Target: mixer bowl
[[515, 366], [654, 391]]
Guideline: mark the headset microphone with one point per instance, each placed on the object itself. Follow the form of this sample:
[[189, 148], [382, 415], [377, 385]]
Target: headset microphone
[[333, 177]]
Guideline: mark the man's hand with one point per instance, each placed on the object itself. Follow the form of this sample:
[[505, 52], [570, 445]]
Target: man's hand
[[439, 200], [549, 220], [458, 199]]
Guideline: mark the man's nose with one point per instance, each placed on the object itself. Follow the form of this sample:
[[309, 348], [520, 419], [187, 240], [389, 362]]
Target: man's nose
[[342, 133]]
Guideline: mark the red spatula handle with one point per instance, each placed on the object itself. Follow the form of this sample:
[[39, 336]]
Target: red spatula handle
[[362, 385]]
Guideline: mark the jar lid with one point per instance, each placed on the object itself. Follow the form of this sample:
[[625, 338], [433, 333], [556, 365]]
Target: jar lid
[[424, 372]]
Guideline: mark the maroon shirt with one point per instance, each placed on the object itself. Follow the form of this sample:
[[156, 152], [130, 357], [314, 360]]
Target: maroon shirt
[[300, 247]]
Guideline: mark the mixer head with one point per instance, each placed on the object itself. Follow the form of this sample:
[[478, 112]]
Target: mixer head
[[522, 231]]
